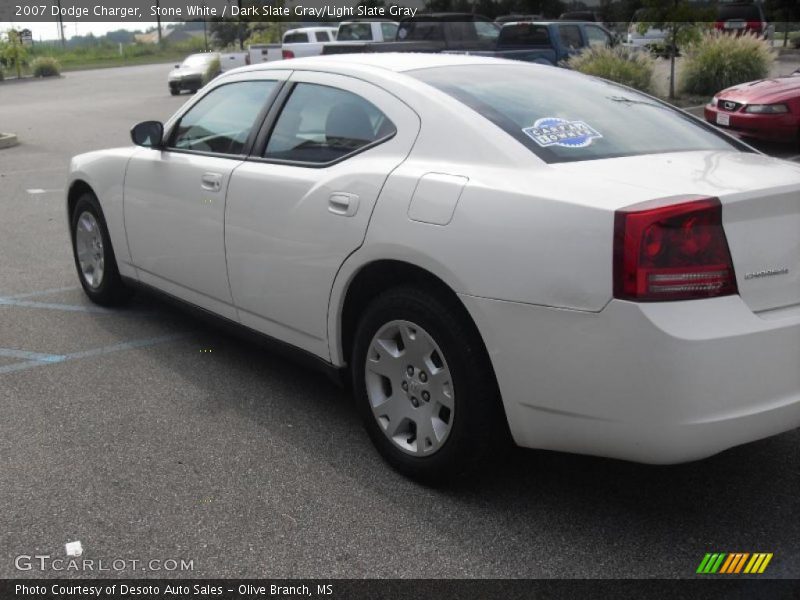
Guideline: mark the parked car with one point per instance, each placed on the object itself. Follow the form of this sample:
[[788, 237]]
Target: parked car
[[191, 74], [547, 43], [651, 38], [517, 18], [768, 109], [741, 18], [366, 31], [434, 32], [306, 41], [481, 246]]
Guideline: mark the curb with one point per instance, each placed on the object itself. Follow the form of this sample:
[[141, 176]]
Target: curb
[[7, 140]]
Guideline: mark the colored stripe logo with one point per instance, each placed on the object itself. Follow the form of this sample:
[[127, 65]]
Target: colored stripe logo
[[734, 563]]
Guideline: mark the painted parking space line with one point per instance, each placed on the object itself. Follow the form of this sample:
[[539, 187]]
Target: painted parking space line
[[41, 292], [122, 346], [14, 353], [56, 306], [39, 191]]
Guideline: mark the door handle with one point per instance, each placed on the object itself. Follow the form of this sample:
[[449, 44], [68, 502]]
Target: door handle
[[343, 204], [211, 182]]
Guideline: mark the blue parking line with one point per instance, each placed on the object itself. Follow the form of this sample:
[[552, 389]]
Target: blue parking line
[[13, 353], [41, 293], [56, 306], [21, 366]]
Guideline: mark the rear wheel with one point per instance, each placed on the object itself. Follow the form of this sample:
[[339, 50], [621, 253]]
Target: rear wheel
[[174, 90], [424, 386], [94, 255]]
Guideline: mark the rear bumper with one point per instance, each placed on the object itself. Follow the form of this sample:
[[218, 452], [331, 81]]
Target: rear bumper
[[653, 383], [779, 128]]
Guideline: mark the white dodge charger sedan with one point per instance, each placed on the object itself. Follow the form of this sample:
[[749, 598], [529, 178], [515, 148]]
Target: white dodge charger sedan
[[484, 247]]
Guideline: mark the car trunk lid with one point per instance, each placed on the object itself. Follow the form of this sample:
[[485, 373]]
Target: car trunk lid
[[760, 199]]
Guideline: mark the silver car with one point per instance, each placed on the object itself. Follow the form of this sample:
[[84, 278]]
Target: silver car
[[191, 74]]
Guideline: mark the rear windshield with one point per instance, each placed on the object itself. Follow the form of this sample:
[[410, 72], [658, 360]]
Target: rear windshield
[[746, 13], [355, 32], [562, 116], [295, 38]]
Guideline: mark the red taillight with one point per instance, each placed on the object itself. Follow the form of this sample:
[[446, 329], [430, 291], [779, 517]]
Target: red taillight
[[287, 54], [756, 26], [672, 249]]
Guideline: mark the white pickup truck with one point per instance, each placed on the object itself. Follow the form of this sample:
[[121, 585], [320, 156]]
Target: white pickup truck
[[306, 41]]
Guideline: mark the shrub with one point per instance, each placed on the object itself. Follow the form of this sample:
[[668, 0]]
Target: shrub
[[624, 65], [45, 66], [719, 61], [2, 75], [212, 70]]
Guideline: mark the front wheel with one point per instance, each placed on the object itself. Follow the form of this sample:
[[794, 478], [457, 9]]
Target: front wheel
[[94, 255], [424, 386]]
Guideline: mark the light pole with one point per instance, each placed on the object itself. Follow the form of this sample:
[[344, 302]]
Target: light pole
[[60, 25]]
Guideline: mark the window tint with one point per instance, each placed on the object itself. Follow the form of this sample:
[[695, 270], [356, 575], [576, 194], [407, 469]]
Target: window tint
[[420, 31], [320, 124], [389, 31], [322, 36], [486, 31], [355, 32], [570, 36], [562, 116], [746, 12], [524, 34], [295, 38], [597, 37], [222, 120]]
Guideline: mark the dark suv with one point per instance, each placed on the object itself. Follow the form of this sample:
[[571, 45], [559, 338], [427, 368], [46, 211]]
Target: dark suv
[[741, 17]]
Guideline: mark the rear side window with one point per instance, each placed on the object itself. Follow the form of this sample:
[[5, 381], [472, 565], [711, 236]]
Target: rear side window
[[321, 124], [597, 37], [570, 36], [562, 116], [524, 34], [295, 38], [322, 36], [223, 119]]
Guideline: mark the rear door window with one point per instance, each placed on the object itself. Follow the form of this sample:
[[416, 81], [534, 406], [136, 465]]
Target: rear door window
[[570, 36], [321, 124]]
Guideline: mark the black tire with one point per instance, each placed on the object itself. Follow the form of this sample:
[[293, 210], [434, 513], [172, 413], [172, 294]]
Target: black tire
[[174, 90], [479, 428], [111, 291]]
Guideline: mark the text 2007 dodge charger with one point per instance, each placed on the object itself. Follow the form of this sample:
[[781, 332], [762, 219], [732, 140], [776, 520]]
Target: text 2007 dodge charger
[[485, 246]]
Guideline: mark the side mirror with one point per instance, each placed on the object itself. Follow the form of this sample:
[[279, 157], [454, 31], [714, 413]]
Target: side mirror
[[148, 134]]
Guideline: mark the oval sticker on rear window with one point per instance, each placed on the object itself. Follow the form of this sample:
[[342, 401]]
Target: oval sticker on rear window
[[552, 131]]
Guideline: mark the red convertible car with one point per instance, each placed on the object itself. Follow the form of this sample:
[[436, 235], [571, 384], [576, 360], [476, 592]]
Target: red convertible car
[[768, 109]]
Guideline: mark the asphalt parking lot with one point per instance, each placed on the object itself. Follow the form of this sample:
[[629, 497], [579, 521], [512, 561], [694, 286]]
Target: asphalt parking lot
[[145, 433]]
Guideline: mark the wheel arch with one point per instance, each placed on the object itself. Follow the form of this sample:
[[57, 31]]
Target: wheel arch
[[373, 278], [77, 188]]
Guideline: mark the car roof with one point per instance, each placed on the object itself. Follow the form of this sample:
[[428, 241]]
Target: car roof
[[378, 61]]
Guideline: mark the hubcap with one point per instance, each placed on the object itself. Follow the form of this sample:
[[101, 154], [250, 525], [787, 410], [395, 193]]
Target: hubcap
[[89, 246], [409, 388]]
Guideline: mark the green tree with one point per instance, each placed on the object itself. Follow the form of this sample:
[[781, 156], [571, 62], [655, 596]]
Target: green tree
[[683, 21], [225, 32], [14, 52]]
